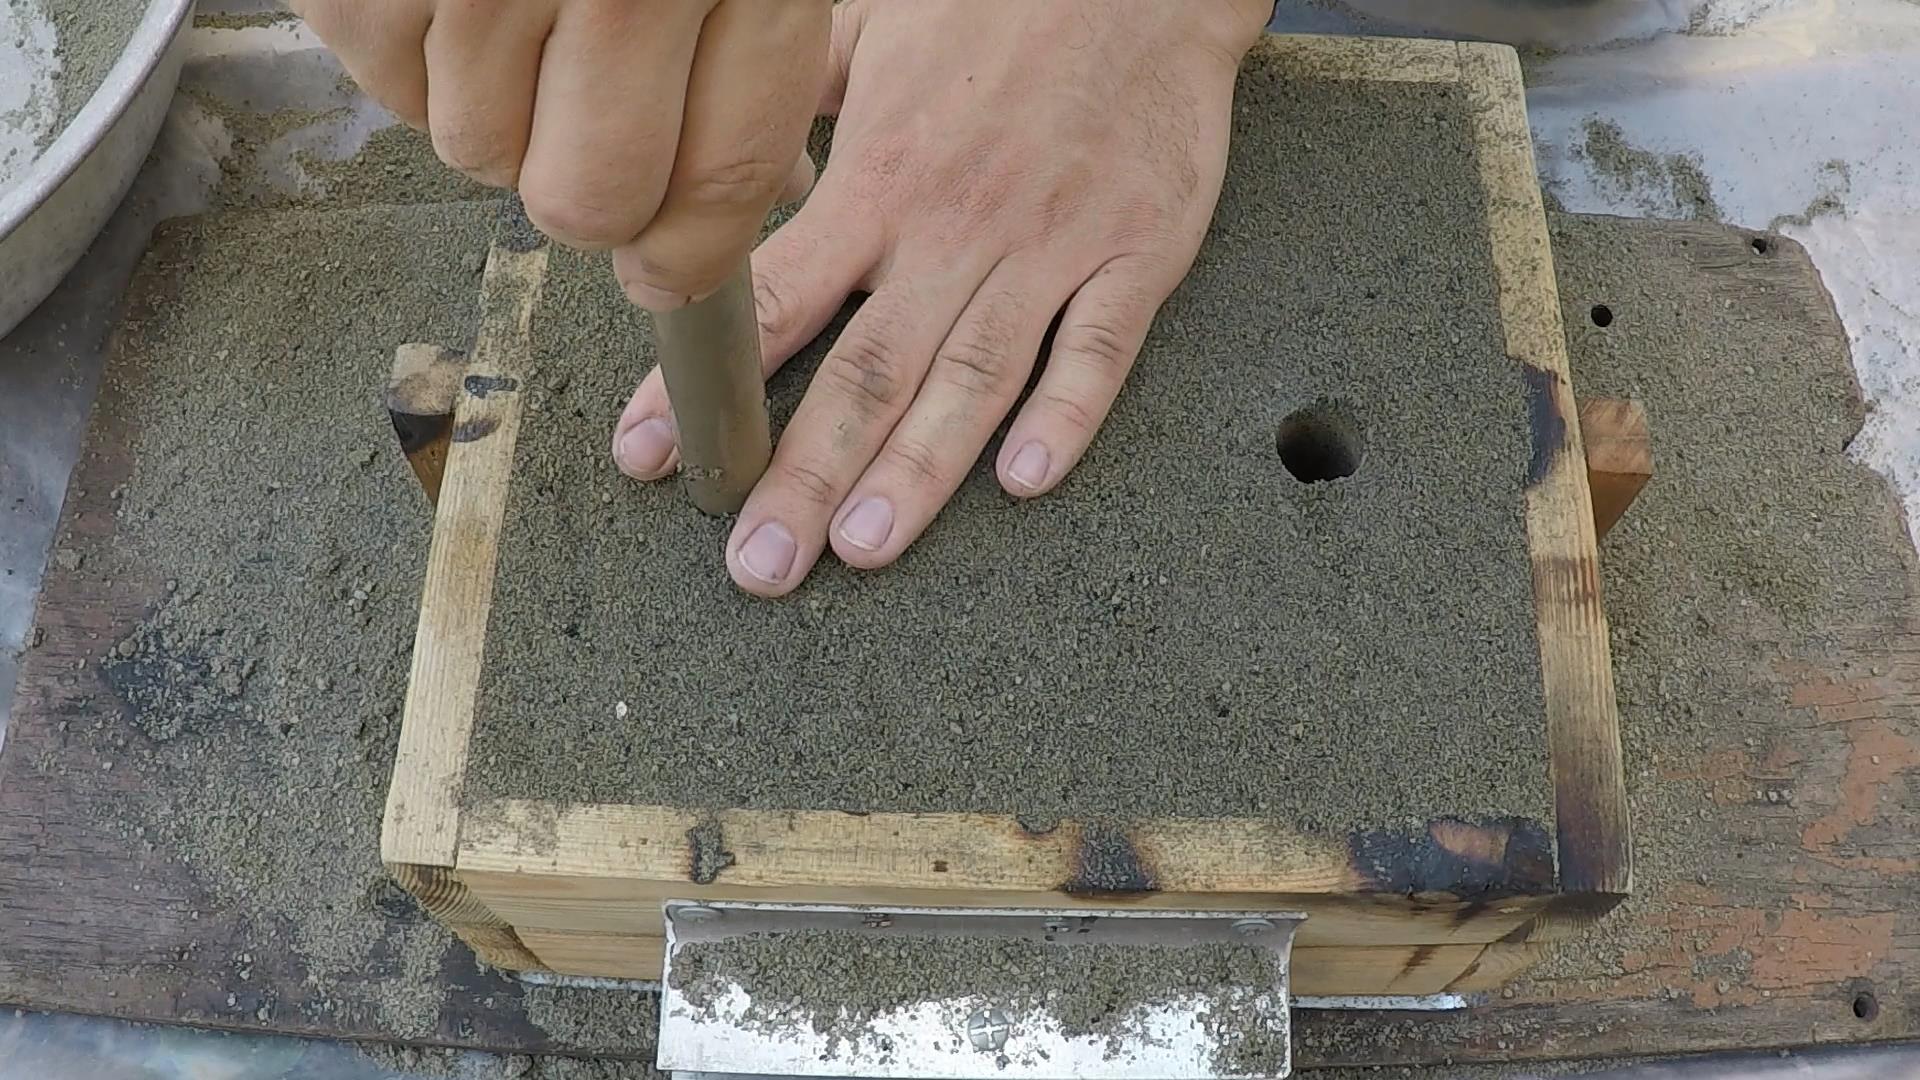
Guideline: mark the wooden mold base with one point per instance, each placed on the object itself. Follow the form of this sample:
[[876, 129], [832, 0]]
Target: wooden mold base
[[1457, 905]]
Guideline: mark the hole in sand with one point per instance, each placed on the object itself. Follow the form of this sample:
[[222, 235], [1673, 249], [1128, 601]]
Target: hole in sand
[[1321, 442], [1602, 315], [1866, 1006], [1761, 246]]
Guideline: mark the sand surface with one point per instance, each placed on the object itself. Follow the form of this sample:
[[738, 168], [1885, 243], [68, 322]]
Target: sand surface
[[1183, 628]]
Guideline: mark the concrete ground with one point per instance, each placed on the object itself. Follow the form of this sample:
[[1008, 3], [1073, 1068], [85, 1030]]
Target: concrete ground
[[1797, 112]]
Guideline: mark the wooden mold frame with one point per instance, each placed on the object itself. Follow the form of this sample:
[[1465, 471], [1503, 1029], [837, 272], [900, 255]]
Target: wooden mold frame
[[1459, 906]]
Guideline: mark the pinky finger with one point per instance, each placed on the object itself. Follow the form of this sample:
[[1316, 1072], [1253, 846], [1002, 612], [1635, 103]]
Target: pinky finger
[[1099, 338]]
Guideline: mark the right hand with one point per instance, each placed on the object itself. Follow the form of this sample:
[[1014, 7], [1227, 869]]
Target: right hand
[[660, 129]]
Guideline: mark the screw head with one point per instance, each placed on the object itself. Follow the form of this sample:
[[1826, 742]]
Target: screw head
[[696, 914], [987, 1029], [1250, 927]]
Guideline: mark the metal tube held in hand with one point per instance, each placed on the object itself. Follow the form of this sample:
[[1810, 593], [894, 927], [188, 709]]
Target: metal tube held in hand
[[710, 355]]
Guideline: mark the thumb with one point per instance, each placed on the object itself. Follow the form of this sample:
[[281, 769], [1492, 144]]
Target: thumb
[[849, 16]]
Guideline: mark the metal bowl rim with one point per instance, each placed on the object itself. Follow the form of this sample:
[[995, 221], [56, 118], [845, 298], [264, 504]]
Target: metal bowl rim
[[110, 101]]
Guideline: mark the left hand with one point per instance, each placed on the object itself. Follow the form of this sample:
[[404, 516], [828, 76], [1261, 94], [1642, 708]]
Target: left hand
[[994, 162]]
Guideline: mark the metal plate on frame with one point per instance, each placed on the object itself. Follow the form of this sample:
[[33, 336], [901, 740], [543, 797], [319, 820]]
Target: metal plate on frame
[[1173, 1035]]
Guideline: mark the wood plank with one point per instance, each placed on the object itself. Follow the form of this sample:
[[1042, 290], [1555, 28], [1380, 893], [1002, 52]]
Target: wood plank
[[1809, 902], [1317, 971], [421, 823], [1583, 726], [421, 395], [1619, 456], [607, 868]]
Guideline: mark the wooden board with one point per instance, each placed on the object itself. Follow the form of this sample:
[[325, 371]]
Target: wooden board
[[1831, 875], [1808, 904], [503, 867]]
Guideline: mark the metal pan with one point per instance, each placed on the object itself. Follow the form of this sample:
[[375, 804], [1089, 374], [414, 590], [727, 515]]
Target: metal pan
[[55, 209]]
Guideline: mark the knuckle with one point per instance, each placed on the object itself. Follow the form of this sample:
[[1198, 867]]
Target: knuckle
[[1068, 411], [917, 461], [573, 216], [865, 372], [1101, 345], [466, 140], [740, 184], [979, 362], [775, 312], [810, 483]]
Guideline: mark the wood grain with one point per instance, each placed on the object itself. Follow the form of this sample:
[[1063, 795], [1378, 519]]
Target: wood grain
[[420, 396], [421, 826], [1583, 725], [1619, 456], [608, 868]]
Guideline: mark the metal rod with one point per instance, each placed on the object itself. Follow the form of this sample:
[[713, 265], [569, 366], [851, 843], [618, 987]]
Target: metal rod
[[710, 355]]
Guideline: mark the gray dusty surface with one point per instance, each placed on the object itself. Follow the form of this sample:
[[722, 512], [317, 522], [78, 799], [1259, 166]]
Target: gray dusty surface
[[89, 36], [1183, 628], [267, 495], [838, 983], [1757, 526]]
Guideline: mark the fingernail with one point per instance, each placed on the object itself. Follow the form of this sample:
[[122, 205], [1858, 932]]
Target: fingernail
[[768, 553], [653, 299], [1029, 467], [866, 526], [645, 447]]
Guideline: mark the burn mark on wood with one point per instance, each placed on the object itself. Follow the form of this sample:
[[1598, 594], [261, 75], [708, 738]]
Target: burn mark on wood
[[417, 432], [1036, 826], [1107, 864], [515, 231], [1510, 856], [475, 430], [1593, 845], [707, 853], [482, 385], [1545, 423]]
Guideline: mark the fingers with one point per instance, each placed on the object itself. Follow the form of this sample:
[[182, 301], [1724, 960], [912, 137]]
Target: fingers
[[801, 276], [483, 62], [862, 389], [976, 376], [1099, 338], [849, 16], [381, 46], [606, 118], [749, 103]]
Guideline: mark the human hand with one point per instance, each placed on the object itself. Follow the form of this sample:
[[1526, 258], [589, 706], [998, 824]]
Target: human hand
[[664, 131], [994, 162]]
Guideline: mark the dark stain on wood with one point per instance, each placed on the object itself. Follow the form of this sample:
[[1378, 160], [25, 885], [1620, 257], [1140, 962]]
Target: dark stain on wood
[[1107, 864], [475, 430], [1418, 959], [1545, 423], [1036, 826], [482, 385], [515, 231], [417, 432], [1510, 856], [706, 853]]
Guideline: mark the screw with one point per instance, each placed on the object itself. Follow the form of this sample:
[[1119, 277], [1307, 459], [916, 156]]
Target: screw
[[987, 1029], [695, 914], [1250, 927]]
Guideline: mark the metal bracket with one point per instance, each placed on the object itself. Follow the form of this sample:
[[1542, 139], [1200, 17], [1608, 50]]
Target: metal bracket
[[1175, 1029]]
